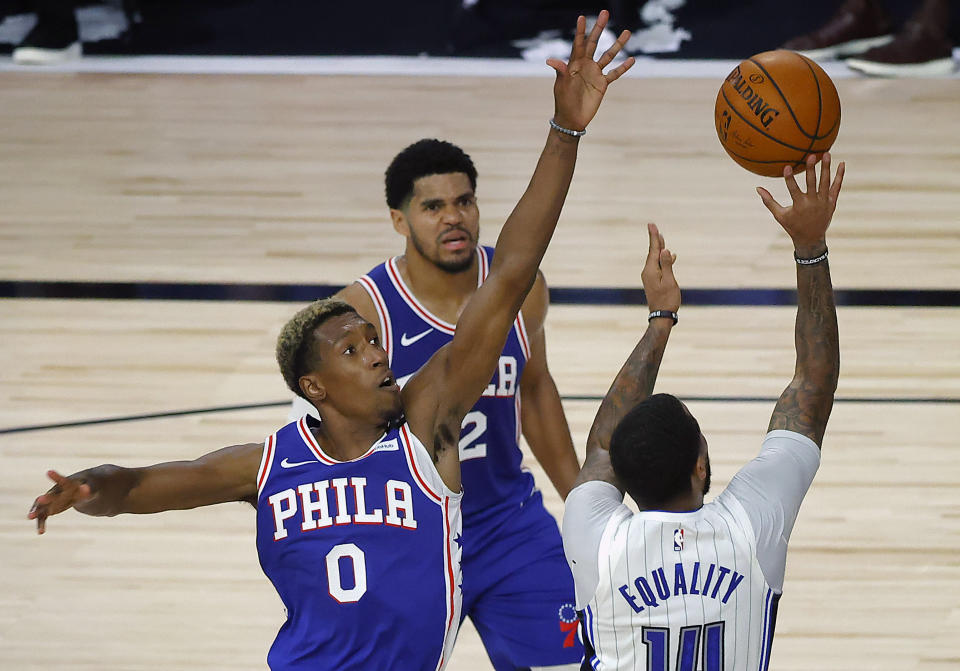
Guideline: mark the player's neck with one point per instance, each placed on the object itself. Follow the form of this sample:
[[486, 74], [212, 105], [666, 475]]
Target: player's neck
[[343, 438], [443, 293], [687, 503]]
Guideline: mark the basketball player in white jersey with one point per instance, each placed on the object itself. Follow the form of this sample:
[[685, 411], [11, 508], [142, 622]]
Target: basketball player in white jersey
[[682, 584]]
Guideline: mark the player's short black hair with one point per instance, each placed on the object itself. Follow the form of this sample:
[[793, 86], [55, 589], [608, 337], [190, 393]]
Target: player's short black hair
[[654, 450], [423, 158]]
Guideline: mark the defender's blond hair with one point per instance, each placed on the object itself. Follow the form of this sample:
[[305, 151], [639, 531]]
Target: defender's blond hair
[[295, 342]]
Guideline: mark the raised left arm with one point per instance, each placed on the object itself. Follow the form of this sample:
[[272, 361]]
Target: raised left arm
[[439, 395], [636, 379], [541, 412]]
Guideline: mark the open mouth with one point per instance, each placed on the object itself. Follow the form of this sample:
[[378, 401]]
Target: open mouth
[[388, 382], [455, 241]]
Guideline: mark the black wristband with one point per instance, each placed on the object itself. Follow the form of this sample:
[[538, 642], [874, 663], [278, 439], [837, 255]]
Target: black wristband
[[810, 262], [663, 313]]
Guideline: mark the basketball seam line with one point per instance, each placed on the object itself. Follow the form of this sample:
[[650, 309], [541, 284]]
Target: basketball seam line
[[816, 80], [793, 163], [759, 130], [787, 102]]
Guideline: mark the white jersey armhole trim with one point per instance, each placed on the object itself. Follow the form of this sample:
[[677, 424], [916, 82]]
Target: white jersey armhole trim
[[386, 328], [484, 268], [266, 462], [521, 328], [423, 469]]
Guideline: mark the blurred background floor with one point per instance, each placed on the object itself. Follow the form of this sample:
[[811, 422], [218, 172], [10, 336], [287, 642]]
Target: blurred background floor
[[240, 179]]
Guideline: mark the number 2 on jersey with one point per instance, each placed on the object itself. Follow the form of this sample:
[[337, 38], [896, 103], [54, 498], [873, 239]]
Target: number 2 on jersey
[[657, 640], [469, 448]]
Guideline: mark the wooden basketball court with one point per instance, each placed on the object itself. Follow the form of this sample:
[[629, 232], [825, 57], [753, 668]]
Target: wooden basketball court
[[278, 179]]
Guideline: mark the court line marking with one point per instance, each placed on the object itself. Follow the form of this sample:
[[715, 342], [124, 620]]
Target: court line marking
[[304, 293], [568, 398], [431, 66]]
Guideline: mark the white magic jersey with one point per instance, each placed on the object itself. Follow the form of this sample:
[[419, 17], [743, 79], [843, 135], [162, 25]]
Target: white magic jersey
[[693, 591]]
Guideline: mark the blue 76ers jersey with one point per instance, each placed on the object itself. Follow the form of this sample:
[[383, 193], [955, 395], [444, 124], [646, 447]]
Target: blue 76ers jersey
[[490, 457], [364, 554]]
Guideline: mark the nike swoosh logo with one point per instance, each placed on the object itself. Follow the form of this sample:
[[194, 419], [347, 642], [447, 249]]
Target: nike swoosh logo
[[288, 464], [406, 342]]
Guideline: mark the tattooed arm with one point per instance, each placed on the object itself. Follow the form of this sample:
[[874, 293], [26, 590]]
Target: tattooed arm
[[805, 405], [635, 380]]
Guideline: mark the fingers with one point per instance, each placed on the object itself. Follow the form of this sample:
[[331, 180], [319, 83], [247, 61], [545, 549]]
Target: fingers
[[38, 512], [791, 181], [811, 174], [824, 175], [557, 65], [615, 74], [59, 479], [591, 46], [667, 259], [579, 39], [837, 183], [776, 209], [607, 57], [656, 244]]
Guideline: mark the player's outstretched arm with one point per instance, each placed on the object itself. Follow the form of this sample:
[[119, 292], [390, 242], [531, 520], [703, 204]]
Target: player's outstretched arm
[[438, 397], [805, 405], [541, 413], [228, 474], [636, 379]]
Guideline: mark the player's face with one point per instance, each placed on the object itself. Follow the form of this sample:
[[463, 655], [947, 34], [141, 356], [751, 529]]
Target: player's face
[[442, 221], [353, 370]]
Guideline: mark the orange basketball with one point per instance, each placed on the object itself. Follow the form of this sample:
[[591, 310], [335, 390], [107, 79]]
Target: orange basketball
[[774, 109]]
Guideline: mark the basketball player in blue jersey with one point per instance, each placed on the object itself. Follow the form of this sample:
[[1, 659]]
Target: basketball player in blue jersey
[[517, 587], [358, 513], [682, 584]]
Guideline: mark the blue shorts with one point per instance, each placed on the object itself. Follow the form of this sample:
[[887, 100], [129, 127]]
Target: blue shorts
[[518, 590]]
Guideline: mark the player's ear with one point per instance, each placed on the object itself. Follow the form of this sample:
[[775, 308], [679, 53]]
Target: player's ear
[[400, 225], [700, 470], [312, 387]]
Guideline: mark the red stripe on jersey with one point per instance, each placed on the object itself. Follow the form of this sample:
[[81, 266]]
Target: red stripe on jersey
[[414, 303], [311, 443], [408, 446], [450, 575], [522, 332], [378, 303], [451, 591], [484, 266], [266, 464]]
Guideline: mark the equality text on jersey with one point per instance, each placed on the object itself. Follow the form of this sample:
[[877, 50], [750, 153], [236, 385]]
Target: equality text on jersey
[[692, 578], [329, 503]]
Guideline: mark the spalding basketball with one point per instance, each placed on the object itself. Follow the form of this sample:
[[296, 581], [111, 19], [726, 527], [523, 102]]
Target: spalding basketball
[[774, 109]]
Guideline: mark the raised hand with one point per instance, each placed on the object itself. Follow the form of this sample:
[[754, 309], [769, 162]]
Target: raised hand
[[663, 292], [807, 220], [65, 494], [580, 83]]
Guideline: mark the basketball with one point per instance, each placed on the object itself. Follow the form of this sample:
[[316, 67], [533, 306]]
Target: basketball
[[774, 110]]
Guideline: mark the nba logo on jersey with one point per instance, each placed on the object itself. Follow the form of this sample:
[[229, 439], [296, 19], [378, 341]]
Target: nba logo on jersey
[[678, 539]]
